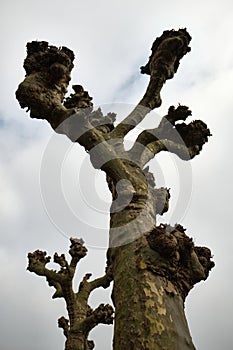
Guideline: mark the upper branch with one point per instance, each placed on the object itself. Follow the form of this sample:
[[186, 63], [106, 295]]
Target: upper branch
[[37, 262], [185, 140], [167, 51], [43, 92], [77, 252], [47, 77]]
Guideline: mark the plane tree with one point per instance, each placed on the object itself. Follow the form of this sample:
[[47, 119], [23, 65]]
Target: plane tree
[[153, 267]]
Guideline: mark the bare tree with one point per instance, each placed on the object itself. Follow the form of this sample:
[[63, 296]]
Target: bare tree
[[153, 267]]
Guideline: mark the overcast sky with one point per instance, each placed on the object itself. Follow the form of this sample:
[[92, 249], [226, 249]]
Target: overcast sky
[[111, 40]]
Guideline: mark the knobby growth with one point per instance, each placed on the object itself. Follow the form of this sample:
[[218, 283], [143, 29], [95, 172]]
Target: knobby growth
[[153, 268]]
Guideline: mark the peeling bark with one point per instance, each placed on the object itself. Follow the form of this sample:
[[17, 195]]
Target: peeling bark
[[153, 267], [152, 277], [150, 309]]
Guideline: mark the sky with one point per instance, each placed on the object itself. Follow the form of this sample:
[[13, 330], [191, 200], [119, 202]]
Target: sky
[[42, 205]]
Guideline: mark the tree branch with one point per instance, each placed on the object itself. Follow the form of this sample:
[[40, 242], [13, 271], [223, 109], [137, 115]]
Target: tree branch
[[180, 150], [167, 126], [77, 252], [102, 314], [64, 276], [47, 77], [36, 264], [185, 140], [87, 287], [43, 92], [167, 51], [81, 317], [64, 324]]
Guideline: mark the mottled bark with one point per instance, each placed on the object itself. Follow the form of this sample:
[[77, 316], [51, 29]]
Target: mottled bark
[[153, 267], [152, 277], [150, 310]]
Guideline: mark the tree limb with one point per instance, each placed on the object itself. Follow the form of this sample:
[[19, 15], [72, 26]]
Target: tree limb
[[64, 324], [167, 51], [102, 314], [37, 262], [180, 150], [103, 281], [77, 252], [81, 317], [185, 140], [86, 287], [43, 92]]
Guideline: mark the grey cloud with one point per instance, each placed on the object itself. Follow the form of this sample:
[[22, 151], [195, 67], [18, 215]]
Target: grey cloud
[[111, 41]]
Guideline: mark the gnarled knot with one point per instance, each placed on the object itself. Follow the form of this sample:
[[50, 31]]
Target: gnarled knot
[[195, 133], [37, 257], [179, 260], [167, 51], [77, 248]]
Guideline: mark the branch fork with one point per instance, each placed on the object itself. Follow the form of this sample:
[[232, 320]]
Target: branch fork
[[82, 319]]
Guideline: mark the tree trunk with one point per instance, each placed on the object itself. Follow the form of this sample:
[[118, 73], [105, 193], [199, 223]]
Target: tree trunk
[[149, 309], [77, 341], [153, 268]]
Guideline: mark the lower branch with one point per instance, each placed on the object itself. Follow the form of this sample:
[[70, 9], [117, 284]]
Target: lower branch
[[102, 314], [82, 319]]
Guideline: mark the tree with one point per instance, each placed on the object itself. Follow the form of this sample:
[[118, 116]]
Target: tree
[[153, 267]]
